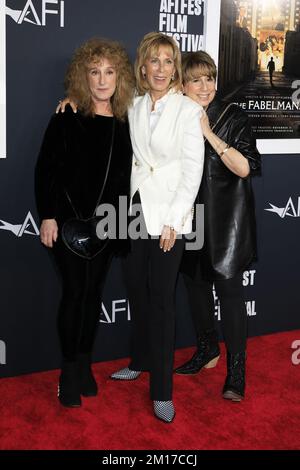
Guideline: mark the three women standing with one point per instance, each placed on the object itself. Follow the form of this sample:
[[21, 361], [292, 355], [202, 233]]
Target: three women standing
[[166, 173]]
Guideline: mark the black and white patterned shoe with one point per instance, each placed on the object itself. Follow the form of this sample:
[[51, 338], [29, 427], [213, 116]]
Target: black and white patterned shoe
[[126, 374], [164, 410]]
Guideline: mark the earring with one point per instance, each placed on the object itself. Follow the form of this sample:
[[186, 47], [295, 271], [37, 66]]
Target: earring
[[173, 78]]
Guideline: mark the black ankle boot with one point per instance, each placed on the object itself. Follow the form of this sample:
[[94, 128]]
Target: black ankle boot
[[234, 387], [87, 383], [206, 355], [68, 389]]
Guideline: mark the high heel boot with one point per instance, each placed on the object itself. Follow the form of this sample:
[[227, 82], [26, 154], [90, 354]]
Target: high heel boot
[[234, 387], [68, 388], [87, 383], [206, 355]]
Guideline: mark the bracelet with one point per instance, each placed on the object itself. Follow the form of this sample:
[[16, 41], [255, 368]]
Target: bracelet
[[225, 150]]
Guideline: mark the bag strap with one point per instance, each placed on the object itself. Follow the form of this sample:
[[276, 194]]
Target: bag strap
[[105, 178], [108, 165]]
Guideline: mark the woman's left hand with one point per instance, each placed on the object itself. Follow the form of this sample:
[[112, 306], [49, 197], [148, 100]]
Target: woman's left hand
[[167, 238], [61, 107], [204, 121]]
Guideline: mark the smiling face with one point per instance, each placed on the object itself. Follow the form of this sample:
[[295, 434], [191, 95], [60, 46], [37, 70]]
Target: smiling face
[[102, 80], [201, 89], [158, 70]]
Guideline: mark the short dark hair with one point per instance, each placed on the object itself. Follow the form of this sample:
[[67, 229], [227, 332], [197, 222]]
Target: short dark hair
[[195, 64]]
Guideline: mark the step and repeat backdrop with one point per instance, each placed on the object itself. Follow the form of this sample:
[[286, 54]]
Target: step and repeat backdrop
[[37, 38]]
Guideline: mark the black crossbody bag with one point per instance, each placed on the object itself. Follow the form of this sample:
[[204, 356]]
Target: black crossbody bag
[[80, 235]]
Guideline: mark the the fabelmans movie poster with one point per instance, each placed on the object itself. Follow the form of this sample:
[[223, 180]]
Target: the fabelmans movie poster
[[259, 64]]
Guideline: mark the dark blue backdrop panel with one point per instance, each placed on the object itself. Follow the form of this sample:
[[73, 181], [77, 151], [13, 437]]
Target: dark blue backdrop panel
[[278, 237], [29, 283], [37, 56]]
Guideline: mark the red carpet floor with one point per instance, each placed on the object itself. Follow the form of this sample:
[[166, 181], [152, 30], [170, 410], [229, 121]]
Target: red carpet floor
[[121, 416]]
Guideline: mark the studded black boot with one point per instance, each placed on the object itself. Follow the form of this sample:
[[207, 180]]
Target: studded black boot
[[234, 387], [206, 355]]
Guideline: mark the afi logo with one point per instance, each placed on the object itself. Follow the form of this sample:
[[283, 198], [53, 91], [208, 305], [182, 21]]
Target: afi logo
[[28, 227], [290, 210], [117, 307], [29, 13]]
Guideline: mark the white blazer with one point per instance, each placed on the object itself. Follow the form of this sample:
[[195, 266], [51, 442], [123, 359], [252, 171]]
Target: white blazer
[[167, 163]]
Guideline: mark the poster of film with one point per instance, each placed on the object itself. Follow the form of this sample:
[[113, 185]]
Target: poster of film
[[259, 68]]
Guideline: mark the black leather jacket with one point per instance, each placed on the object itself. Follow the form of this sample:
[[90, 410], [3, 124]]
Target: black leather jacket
[[229, 214]]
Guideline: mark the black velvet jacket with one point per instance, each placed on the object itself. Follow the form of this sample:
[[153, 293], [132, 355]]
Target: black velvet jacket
[[73, 157], [229, 213]]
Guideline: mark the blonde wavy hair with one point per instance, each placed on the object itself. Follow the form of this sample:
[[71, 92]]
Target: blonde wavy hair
[[148, 46], [91, 52]]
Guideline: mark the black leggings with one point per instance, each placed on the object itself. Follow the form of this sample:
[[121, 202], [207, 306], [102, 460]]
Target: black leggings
[[233, 309], [80, 305]]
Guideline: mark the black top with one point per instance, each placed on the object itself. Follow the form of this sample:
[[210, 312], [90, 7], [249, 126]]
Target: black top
[[74, 156], [229, 214]]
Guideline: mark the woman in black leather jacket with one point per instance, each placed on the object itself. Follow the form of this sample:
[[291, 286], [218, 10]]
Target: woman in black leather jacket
[[231, 158], [73, 167]]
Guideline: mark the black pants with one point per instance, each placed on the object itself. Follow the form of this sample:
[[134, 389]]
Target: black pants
[[80, 305], [233, 309], [150, 277]]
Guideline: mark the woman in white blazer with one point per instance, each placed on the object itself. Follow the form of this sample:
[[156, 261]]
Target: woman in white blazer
[[166, 174]]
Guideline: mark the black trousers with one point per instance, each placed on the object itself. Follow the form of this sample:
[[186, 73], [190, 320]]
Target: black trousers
[[150, 277], [232, 304], [80, 305]]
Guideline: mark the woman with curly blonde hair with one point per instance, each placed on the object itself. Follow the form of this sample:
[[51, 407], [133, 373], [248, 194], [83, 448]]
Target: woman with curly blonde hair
[[76, 80], [85, 157]]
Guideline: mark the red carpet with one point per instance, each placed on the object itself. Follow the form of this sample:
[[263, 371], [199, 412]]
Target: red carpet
[[121, 416]]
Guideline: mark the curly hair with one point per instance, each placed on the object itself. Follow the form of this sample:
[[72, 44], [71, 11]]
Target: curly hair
[[148, 45], [91, 52]]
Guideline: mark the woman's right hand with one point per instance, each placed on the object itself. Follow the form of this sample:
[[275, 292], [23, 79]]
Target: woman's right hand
[[168, 238], [48, 232], [62, 105]]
